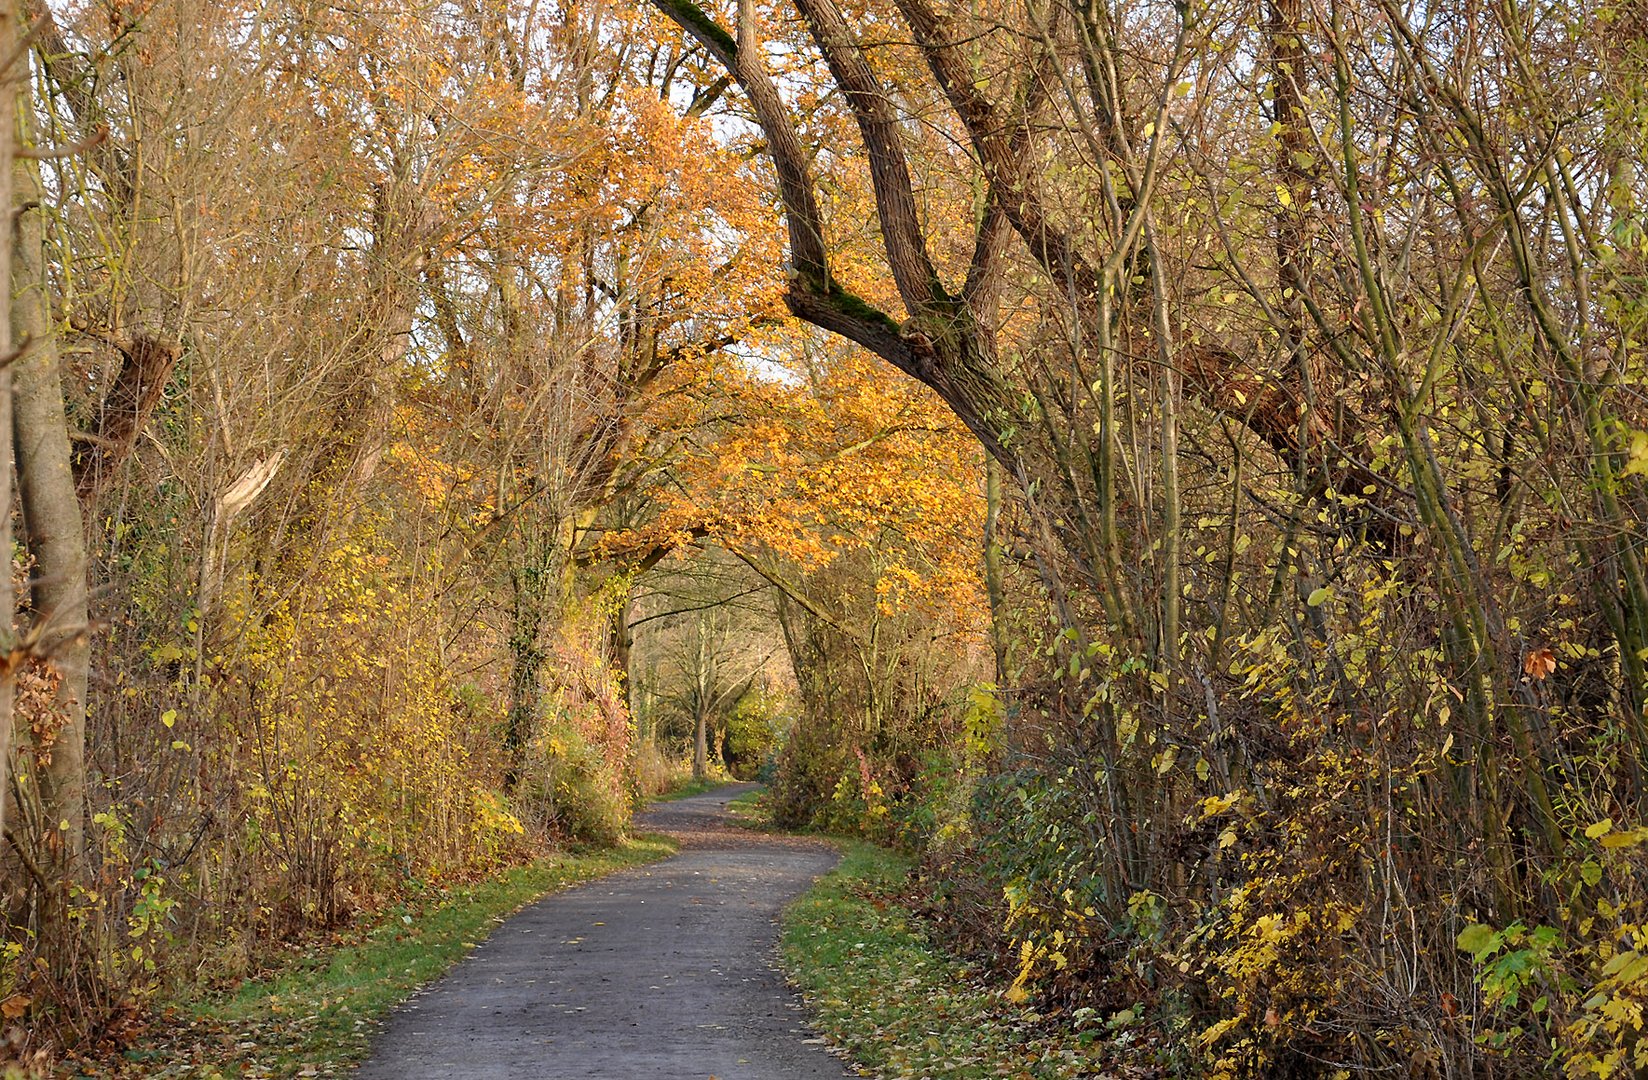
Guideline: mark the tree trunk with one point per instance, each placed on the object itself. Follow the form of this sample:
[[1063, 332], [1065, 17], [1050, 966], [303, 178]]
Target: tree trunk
[[621, 643], [526, 657], [53, 527], [701, 747], [995, 586], [702, 697], [8, 602]]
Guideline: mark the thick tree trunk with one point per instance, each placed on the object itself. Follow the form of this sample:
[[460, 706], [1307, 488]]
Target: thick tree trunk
[[8, 603], [53, 527], [526, 656]]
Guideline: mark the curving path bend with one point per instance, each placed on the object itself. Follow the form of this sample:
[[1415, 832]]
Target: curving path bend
[[664, 972]]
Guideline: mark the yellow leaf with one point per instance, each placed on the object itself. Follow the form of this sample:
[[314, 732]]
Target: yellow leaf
[[1217, 1031], [1636, 462]]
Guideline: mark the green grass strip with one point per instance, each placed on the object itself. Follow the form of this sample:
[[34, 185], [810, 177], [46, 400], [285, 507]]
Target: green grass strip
[[690, 788], [318, 1017], [896, 1004], [751, 811]]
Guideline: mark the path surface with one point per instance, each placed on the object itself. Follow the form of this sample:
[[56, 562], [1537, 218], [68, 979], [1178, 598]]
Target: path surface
[[665, 971]]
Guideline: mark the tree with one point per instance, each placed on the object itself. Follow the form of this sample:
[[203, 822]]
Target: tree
[[53, 531]]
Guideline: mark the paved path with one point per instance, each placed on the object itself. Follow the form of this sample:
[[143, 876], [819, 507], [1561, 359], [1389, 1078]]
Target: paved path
[[660, 972]]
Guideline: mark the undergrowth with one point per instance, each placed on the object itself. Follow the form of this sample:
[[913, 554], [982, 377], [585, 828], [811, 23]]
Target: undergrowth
[[881, 991]]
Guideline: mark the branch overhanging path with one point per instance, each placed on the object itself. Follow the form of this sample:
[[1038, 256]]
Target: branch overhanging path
[[660, 972]]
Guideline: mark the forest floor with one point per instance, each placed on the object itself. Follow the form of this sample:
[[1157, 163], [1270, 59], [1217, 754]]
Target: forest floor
[[665, 971]]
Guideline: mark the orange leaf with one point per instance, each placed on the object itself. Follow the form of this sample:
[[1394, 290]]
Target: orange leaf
[[1539, 664]]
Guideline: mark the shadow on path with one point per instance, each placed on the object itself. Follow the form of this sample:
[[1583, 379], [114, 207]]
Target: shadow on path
[[665, 971]]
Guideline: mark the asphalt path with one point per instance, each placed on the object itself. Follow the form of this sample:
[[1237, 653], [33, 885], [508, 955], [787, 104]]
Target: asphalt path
[[665, 971]]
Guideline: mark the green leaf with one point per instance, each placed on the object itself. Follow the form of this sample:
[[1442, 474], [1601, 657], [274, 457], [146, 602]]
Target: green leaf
[[1320, 596], [1590, 872], [1478, 940]]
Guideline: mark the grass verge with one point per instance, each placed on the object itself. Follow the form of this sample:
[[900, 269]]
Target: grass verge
[[900, 1007], [689, 788], [751, 811], [317, 1017]]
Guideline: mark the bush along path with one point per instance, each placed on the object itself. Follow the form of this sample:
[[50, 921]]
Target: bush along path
[[661, 972], [315, 1015], [889, 999]]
